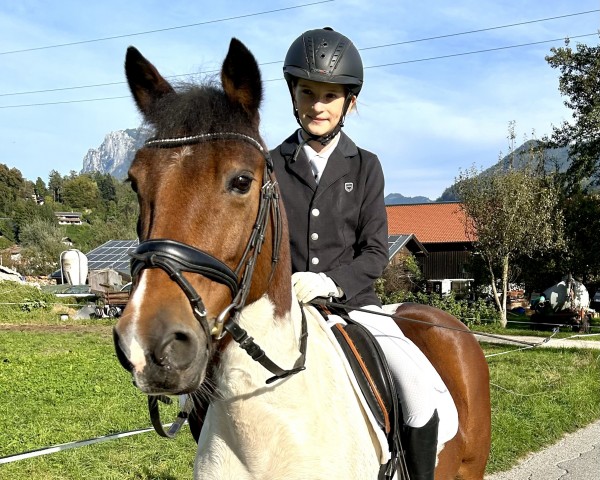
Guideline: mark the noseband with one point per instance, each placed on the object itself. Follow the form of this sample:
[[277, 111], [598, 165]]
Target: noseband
[[175, 258]]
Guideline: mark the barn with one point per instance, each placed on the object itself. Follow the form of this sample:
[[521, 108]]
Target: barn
[[440, 230]]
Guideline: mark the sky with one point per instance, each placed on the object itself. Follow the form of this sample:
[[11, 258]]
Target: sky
[[443, 79]]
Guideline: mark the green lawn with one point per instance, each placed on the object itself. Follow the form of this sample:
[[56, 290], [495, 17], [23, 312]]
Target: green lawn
[[61, 387], [60, 381], [538, 396]]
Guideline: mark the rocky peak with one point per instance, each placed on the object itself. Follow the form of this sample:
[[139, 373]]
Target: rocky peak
[[116, 152]]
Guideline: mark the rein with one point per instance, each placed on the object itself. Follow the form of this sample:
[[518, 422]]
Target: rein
[[326, 303], [175, 258]]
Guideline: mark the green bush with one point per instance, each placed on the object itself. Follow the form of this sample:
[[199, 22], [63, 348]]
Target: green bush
[[469, 312], [30, 305], [4, 242], [24, 302]]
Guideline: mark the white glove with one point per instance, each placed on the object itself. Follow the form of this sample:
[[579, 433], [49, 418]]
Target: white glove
[[309, 285]]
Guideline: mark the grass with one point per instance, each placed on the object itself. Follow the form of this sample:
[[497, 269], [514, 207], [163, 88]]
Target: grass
[[61, 387], [520, 325], [61, 382], [537, 397], [28, 304]]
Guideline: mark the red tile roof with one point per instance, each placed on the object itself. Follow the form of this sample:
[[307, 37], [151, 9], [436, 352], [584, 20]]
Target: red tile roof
[[429, 222]]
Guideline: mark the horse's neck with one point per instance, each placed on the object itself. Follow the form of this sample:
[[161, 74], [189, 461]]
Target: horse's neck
[[285, 429], [279, 337]]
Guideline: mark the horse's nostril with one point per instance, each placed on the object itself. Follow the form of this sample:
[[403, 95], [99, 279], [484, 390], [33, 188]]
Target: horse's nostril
[[177, 349], [181, 337]]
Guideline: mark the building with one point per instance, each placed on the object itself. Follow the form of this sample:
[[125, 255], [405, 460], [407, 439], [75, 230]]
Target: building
[[400, 245], [68, 218], [440, 229]]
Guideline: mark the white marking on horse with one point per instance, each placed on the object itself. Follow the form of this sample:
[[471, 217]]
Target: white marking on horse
[[137, 356], [283, 444], [178, 155]]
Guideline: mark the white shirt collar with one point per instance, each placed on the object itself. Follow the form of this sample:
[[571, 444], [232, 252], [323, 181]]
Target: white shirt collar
[[323, 154], [318, 160]]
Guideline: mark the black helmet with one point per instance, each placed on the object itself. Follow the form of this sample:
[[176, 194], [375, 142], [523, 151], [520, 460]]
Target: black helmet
[[323, 55]]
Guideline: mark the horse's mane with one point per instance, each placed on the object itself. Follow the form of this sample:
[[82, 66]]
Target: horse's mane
[[197, 108]]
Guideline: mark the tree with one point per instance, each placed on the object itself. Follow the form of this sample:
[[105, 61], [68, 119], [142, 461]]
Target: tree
[[403, 274], [106, 186], [582, 230], [579, 81], [25, 212], [81, 192], [42, 246], [12, 185], [509, 212], [40, 188], [127, 207], [55, 185]]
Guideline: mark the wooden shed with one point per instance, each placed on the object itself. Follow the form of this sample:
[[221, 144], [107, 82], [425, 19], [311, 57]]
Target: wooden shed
[[440, 228]]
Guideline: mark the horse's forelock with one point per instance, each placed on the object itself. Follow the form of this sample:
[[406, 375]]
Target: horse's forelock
[[198, 108]]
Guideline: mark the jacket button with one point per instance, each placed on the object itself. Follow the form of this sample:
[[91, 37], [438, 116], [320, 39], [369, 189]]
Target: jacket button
[[314, 261], [314, 236], [315, 212]]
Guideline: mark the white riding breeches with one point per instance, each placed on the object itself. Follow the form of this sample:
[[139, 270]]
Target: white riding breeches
[[421, 390]]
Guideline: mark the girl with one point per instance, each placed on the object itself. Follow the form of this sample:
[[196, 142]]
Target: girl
[[333, 196]]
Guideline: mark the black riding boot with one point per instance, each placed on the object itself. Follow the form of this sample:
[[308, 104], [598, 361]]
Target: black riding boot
[[420, 445]]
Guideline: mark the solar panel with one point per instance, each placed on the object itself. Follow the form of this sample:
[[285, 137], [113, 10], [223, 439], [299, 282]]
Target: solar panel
[[395, 243], [392, 239], [113, 254]]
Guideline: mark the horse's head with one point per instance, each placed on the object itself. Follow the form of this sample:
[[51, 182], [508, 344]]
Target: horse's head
[[208, 226]]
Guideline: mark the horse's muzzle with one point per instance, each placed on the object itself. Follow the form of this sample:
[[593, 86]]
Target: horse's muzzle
[[123, 360], [169, 362]]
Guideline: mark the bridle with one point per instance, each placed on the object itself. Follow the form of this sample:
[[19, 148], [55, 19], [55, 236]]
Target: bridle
[[175, 257]]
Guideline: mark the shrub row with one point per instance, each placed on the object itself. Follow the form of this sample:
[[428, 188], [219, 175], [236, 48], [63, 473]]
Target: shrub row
[[470, 312]]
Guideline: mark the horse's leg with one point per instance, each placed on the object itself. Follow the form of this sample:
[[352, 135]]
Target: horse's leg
[[459, 360], [449, 459]]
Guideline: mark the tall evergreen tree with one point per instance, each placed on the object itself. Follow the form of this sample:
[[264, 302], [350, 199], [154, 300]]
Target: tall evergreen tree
[[55, 185], [579, 82]]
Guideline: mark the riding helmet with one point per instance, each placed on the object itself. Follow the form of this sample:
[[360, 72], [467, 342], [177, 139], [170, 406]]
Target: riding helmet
[[324, 55]]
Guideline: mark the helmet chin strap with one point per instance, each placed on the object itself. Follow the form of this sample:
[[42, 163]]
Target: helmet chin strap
[[325, 139]]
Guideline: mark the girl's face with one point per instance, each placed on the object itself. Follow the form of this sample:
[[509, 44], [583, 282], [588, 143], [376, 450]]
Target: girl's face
[[319, 105]]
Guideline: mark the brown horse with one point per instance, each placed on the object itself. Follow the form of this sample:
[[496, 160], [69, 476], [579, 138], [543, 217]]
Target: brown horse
[[213, 268]]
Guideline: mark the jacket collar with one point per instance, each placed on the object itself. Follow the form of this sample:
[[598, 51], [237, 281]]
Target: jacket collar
[[346, 146], [337, 165]]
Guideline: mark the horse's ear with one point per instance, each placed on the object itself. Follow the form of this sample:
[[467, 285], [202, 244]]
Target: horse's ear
[[241, 78], [145, 83]]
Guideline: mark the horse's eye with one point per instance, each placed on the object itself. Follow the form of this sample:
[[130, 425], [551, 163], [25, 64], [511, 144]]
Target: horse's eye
[[241, 184]]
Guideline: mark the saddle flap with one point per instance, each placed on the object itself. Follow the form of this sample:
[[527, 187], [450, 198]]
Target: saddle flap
[[371, 371]]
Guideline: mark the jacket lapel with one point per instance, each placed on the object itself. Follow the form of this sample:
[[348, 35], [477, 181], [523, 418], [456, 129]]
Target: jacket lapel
[[300, 167], [337, 167], [338, 164]]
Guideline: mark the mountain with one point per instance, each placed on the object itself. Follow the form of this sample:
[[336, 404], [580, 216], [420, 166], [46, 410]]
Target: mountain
[[399, 199], [551, 160], [116, 152]]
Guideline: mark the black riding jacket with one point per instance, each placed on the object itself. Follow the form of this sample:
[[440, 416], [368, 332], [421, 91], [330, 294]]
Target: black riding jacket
[[338, 227]]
